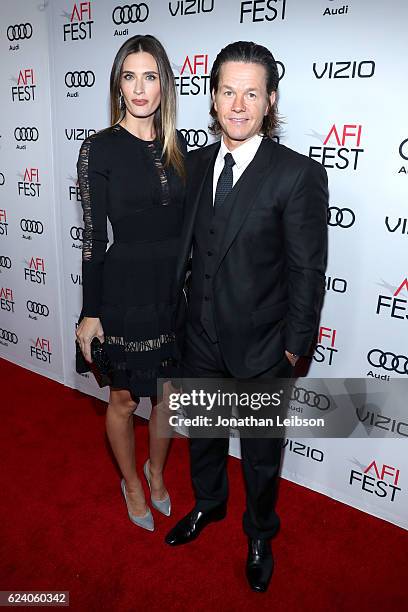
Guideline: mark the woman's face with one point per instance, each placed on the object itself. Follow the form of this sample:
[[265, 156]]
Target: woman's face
[[140, 84]]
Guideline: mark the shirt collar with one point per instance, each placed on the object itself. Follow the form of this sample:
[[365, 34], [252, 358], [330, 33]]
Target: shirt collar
[[244, 153]]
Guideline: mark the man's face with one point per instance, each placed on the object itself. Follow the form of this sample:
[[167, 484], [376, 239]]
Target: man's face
[[241, 101]]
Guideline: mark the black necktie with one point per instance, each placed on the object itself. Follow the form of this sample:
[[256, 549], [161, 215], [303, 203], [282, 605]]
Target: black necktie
[[225, 181]]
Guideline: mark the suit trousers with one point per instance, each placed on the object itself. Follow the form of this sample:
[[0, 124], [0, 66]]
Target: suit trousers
[[260, 457]]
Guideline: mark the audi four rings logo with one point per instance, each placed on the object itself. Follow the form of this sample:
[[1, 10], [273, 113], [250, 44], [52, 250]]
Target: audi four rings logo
[[132, 13], [195, 138], [31, 226], [8, 336], [77, 233], [310, 398], [20, 31], [82, 78], [5, 262], [37, 308], [340, 217], [388, 361], [26, 133]]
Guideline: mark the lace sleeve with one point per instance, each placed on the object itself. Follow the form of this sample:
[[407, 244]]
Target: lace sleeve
[[93, 184]]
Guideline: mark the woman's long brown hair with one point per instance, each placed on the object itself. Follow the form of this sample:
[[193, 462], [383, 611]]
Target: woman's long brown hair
[[165, 115]]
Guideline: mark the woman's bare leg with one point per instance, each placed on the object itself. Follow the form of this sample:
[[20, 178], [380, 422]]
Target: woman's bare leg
[[120, 431], [159, 441]]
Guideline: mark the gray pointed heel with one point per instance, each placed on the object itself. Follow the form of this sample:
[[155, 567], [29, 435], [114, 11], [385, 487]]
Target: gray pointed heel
[[164, 505], [146, 521]]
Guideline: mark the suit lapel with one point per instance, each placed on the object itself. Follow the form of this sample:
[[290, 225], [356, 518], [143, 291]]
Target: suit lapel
[[245, 192]]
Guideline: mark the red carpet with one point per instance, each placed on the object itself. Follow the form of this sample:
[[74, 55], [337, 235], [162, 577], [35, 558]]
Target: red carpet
[[64, 525]]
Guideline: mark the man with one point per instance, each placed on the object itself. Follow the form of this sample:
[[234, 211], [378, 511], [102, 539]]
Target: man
[[256, 221]]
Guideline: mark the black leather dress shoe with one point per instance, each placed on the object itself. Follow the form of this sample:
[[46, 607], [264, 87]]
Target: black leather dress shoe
[[259, 565], [190, 527]]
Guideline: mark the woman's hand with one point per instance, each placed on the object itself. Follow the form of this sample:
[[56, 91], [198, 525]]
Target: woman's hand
[[88, 329]]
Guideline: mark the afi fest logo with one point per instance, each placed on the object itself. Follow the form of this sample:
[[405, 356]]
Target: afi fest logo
[[325, 348], [395, 305], [403, 153], [80, 22], [3, 222], [376, 479], [6, 299], [40, 349], [256, 11], [193, 78], [24, 91], [346, 150], [74, 192], [30, 185], [35, 272], [190, 7]]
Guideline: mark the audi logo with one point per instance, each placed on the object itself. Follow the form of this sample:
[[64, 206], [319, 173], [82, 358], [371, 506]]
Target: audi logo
[[130, 13], [2, 179], [5, 262], [20, 31], [310, 398], [281, 69], [8, 336], [82, 78], [402, 152], [26, 133], [37, 308], [340, 217], [77, 233], [388, 361], [31, 226], [195, 138]]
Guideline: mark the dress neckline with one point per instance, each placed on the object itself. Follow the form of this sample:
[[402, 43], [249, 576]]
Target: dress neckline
[[147, 142]]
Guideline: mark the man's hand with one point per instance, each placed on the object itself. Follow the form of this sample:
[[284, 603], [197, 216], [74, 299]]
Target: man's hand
[[292, 358]]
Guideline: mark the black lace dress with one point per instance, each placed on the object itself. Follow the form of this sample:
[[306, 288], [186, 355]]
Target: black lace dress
[[130, 286]]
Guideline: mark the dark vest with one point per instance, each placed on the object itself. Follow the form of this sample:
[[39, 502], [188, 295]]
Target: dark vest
[[209, 229]]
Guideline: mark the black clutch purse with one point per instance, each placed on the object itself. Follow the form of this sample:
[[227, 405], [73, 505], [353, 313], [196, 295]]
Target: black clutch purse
[[100, 367]]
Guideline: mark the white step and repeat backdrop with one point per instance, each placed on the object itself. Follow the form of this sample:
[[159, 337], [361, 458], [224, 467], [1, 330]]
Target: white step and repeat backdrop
[[343, 100]]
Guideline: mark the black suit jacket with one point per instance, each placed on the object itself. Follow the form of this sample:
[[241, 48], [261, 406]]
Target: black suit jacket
[[270, 270]]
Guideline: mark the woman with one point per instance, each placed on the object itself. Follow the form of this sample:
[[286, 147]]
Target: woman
[[133, 174]]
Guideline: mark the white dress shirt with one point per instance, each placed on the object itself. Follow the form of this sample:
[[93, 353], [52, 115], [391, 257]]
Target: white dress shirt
[[243, 155]]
